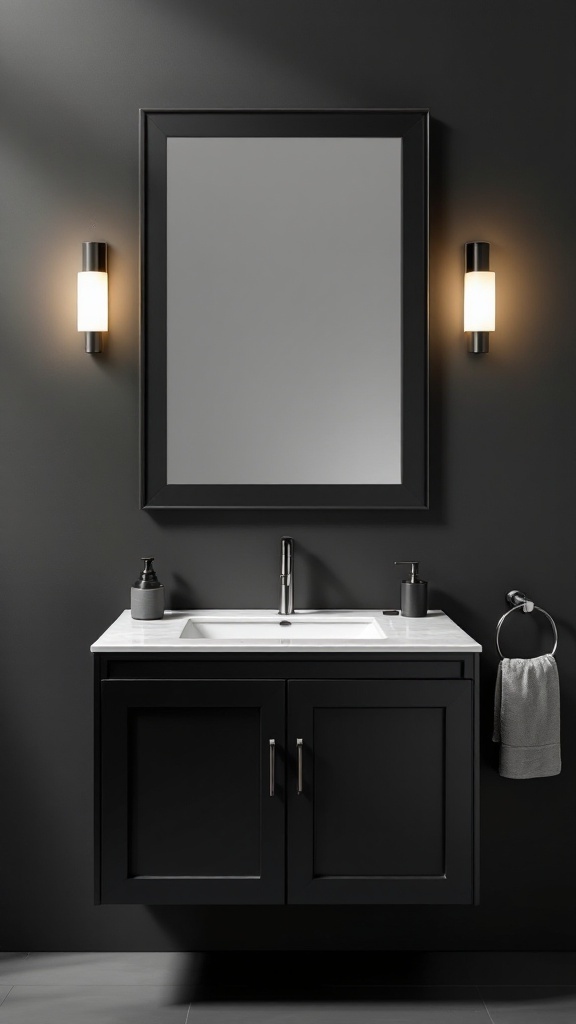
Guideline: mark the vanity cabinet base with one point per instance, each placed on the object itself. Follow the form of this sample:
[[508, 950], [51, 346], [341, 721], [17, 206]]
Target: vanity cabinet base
[[314, 780]]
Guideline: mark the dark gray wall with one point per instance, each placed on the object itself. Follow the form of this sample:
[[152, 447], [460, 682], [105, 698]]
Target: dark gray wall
[[498, 80]]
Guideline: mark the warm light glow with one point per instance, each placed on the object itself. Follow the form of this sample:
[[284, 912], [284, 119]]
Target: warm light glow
[[92, 300], [479, 300]]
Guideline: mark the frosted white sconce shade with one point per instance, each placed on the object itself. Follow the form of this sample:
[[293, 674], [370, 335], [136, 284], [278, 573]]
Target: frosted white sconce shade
[[479, 296], [92, 300], [93, 294], [479, 300]]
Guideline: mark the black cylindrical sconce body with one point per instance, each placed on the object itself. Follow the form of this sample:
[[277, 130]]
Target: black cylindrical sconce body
[[95, 256], [477, 258], [93, 294]]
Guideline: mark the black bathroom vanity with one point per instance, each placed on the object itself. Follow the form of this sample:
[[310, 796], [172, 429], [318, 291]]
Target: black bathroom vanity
[[286, 771]]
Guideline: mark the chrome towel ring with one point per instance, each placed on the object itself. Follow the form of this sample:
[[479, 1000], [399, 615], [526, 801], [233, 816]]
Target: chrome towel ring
[[518, 600]]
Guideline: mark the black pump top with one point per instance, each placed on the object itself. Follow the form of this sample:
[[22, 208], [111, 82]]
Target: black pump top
[[148, 579], [414, 570]]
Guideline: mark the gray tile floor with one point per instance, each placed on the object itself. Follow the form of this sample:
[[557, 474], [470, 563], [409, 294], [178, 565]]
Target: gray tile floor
[[164, 988]]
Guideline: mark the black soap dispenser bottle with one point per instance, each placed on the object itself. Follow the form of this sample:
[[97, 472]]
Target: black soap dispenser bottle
[[413, 593], [147, 594]]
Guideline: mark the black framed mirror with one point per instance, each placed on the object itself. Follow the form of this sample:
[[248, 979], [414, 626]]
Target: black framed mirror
[[284, 317]]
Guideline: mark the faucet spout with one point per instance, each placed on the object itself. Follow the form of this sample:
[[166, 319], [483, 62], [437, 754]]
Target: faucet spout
[[286, 576]]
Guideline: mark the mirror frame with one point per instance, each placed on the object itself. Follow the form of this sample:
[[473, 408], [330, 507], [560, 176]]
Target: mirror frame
[[412, 127]]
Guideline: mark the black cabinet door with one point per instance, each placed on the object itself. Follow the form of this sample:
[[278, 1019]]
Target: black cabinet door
[[385, 814], [186, 811]]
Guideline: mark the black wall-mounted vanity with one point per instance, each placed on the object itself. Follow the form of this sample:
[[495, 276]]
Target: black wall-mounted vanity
[[230, 778]]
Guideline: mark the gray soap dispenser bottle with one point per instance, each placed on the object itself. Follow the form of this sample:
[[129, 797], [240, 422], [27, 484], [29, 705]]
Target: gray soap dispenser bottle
[[147, 594], [413, 593]]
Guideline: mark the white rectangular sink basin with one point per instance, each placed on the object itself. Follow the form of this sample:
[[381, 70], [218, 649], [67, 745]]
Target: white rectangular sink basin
[[283, 628]]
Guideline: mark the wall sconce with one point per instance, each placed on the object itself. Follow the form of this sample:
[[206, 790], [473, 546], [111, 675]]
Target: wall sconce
[[479, 296], [93, 294]]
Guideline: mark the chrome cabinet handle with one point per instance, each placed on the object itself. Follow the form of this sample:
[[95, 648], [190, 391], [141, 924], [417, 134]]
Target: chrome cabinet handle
[[272, 766], [299, 749]]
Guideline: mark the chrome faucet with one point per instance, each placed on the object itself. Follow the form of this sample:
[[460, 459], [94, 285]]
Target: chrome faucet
[[286, 576]]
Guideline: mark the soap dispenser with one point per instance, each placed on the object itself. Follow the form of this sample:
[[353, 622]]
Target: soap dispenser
[[147, 595], [413, 594]]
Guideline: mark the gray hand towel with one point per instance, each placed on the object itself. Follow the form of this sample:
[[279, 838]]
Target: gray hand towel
[[527, 717]]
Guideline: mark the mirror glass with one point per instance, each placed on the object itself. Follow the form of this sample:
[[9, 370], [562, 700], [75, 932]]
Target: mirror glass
[[283, 311]]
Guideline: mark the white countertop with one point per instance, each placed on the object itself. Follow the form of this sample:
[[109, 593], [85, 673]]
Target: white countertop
[[435, 633]]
